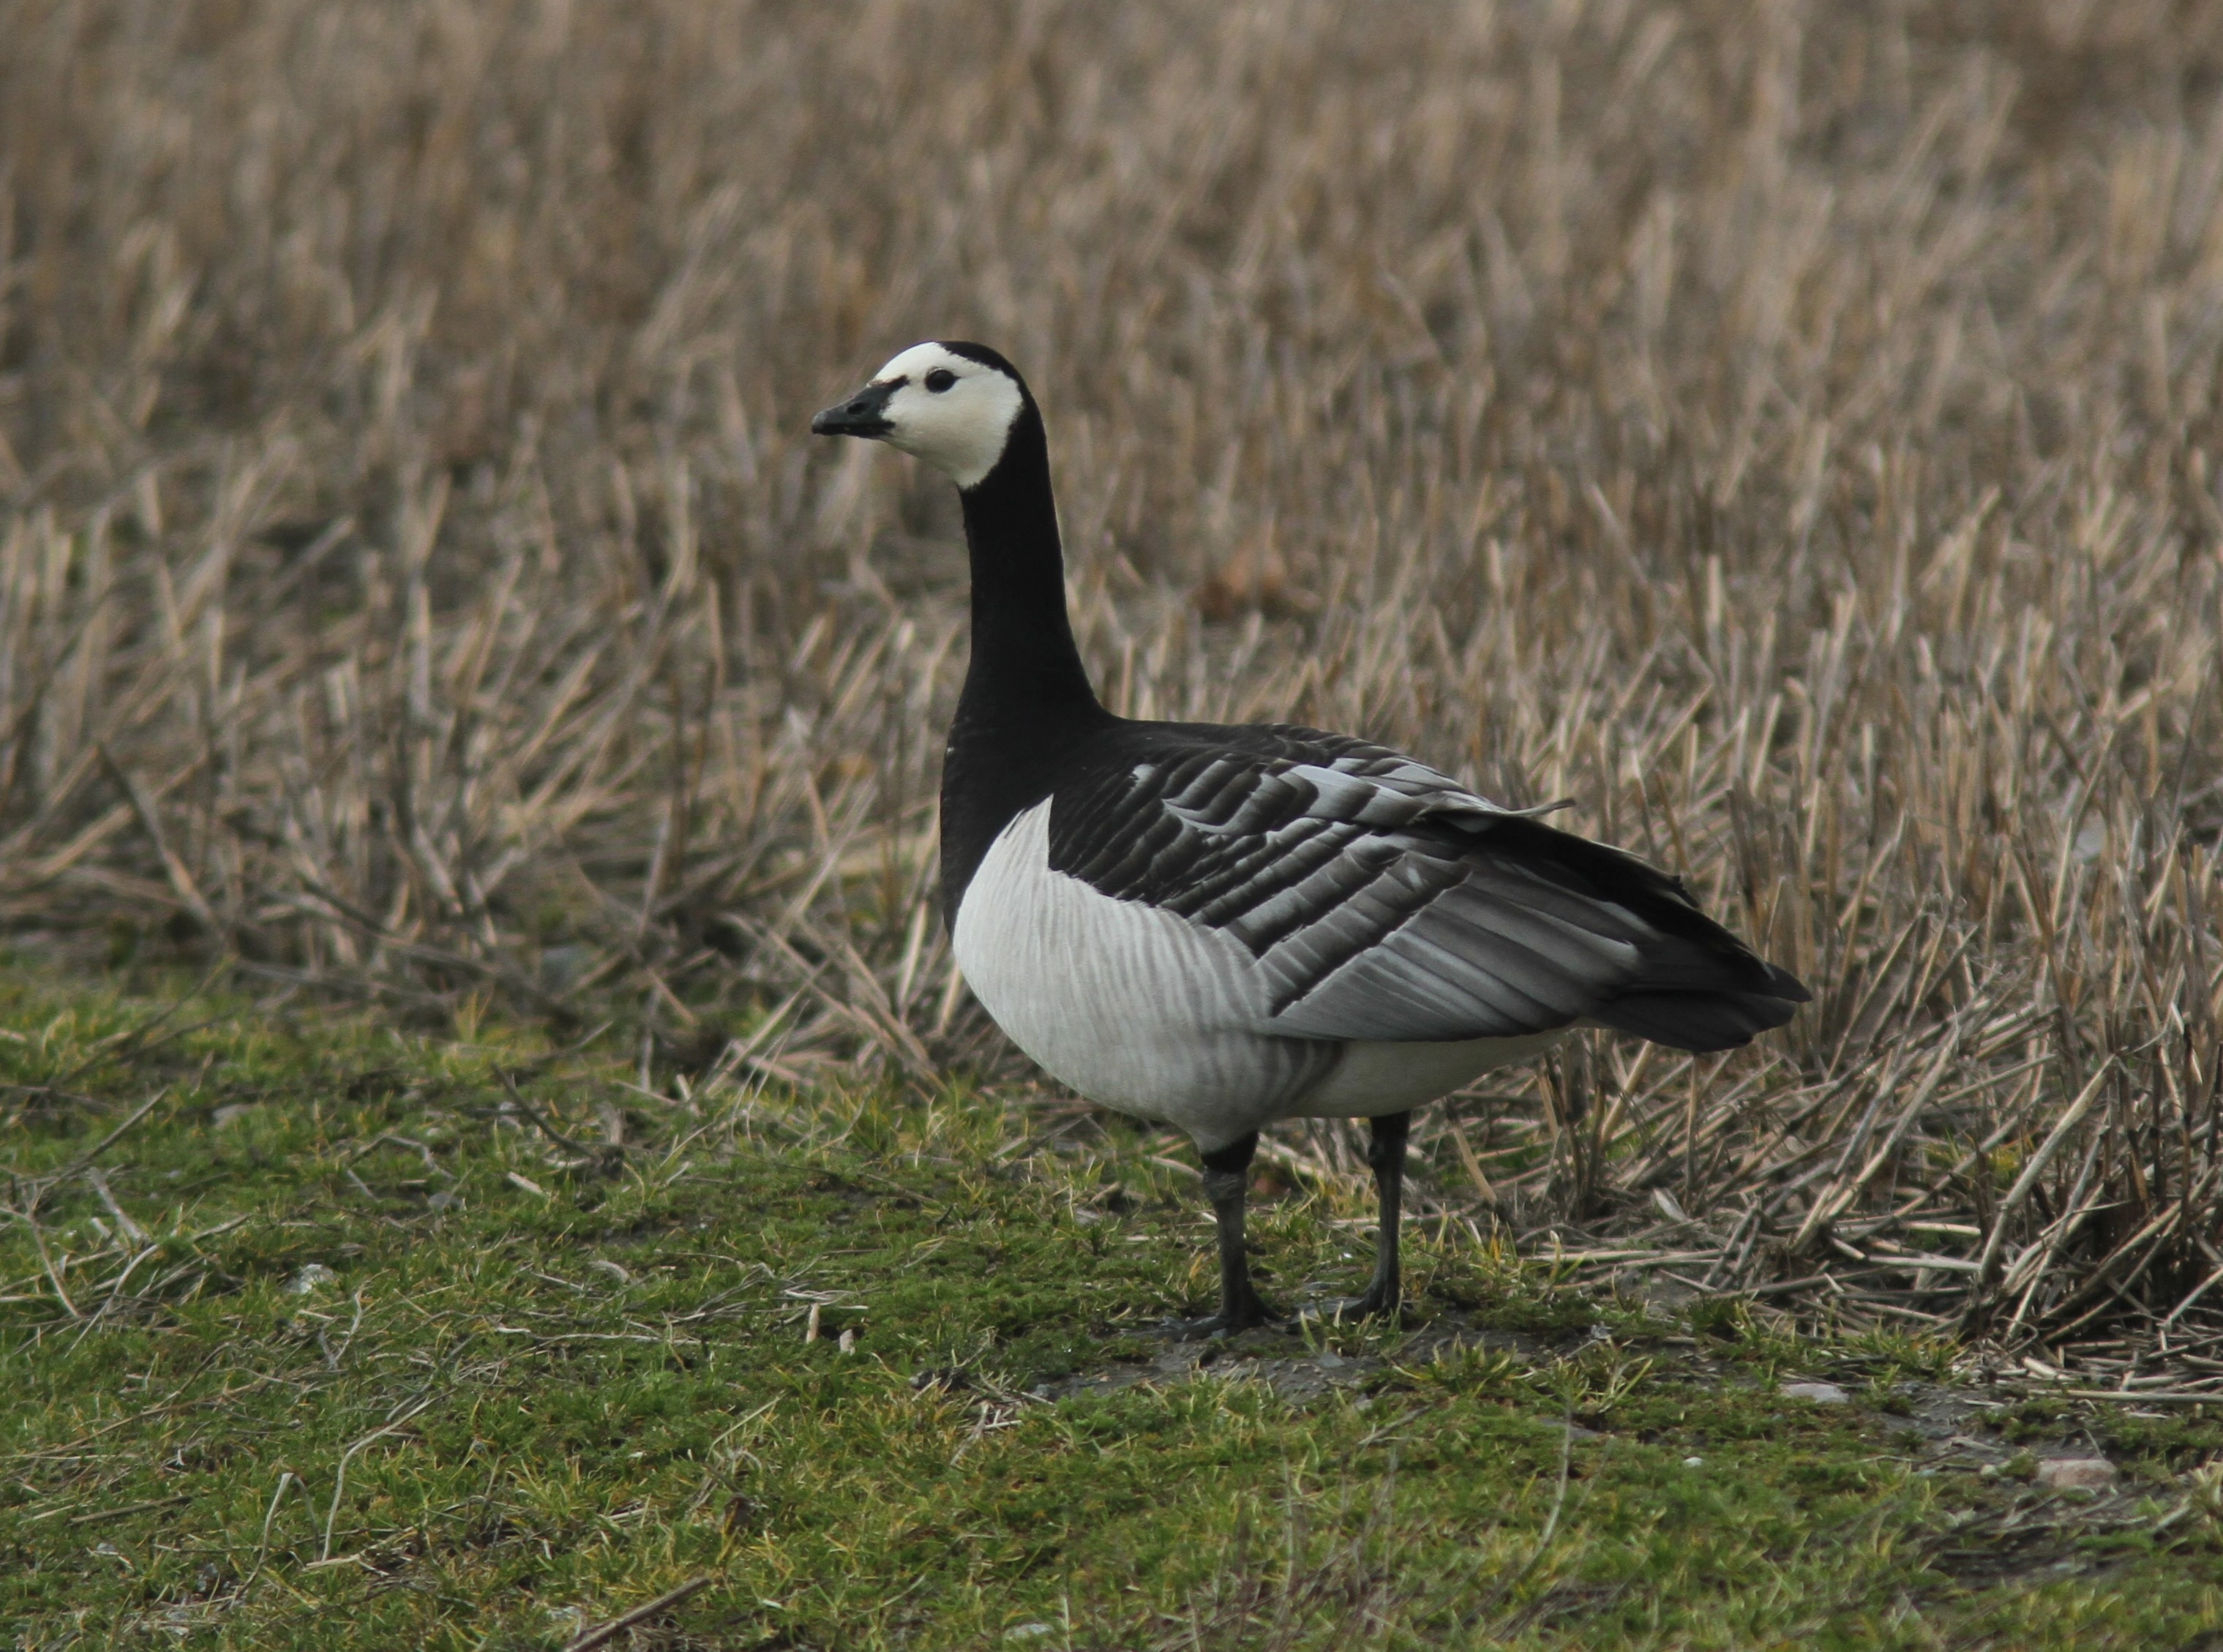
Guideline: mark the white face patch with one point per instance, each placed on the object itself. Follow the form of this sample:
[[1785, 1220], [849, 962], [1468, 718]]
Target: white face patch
[[958, 422]]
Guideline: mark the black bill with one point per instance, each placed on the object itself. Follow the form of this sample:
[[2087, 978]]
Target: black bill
[[862, 414]]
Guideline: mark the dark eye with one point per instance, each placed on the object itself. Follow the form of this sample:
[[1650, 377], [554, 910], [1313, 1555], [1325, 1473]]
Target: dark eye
[[940, 380]]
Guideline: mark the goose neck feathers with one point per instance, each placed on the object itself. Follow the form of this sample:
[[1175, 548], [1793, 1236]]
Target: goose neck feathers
[[1027, 703], [964, 409]]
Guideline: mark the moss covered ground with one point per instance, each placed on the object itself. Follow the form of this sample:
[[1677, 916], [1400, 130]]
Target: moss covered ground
[[316, 1331]]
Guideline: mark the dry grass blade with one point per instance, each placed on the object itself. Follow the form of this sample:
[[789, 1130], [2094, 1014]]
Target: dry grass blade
[[606, 1633], [1786, 430]]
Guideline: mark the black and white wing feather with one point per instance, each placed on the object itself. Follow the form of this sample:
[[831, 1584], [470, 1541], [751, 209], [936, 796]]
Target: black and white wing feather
[[1382, 901]]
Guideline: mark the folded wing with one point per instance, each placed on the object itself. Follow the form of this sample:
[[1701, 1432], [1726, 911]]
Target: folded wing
[[1382, 901]]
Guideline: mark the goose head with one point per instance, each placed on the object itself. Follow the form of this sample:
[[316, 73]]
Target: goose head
[[952, 405]]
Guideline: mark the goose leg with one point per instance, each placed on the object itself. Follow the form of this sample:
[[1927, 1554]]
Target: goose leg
[[1226, 1181], [1385, 1155]]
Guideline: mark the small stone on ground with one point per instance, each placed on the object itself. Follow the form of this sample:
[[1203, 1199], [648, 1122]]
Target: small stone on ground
[[1821, 1393], [2076, 1473]]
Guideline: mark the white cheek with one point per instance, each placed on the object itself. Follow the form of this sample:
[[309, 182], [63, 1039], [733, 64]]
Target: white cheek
[[962, 437]]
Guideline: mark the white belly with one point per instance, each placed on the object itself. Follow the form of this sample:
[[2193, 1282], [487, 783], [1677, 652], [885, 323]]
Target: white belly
[[1134, 1007], [1141, 1010], [1374, 1076]]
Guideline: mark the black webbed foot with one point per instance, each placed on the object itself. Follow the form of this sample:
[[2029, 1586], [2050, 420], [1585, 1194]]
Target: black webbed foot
[[1248, 1312], [1226, 1180], [1386, 1154]]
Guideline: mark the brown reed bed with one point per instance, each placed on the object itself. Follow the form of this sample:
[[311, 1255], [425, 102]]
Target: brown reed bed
[[1788, 430]]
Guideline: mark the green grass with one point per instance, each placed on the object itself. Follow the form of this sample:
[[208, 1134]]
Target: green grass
[[360, 1373]]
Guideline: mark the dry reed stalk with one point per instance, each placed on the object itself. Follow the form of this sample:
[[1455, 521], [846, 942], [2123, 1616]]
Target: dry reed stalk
[[1786, 428]]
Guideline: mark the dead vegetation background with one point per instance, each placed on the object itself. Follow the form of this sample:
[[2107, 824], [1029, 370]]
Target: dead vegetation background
[[1786, 428]]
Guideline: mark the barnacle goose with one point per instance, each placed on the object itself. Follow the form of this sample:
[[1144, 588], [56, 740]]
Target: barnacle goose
[[1219, 926]]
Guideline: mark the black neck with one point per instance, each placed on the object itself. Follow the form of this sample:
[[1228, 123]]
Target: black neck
[[1026, 698], [1024, 663]]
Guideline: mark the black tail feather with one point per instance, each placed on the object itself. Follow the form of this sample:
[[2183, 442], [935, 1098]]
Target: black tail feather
[[1700, 987], [1700, 1021]]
